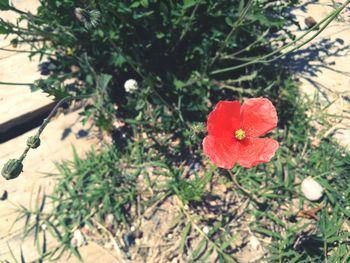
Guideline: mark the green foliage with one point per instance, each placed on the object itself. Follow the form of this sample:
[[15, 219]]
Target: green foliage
[[189, 190], [87, 190], [169, 47], [272, 189], [96, 183], [4, 5]]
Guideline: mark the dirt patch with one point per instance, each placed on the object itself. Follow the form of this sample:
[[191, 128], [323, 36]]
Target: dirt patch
[[323, 68]]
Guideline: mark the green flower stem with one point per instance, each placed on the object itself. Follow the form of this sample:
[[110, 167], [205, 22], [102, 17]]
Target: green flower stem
[[14, 50], [188, 25], [12, 8], [47, 120], [15, 84], [23, 51], [233, 55], [245, 191], [24, 154], [264, 59], [241, 17], [33, 31]]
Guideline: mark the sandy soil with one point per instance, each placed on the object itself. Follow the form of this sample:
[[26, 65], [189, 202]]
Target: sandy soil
[[323, 68]]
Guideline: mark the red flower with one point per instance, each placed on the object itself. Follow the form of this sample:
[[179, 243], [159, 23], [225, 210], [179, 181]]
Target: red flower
[[233, 132]]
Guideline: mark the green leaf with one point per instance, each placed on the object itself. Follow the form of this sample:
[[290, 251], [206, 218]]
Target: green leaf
[[4, 30], [189, 3], [4, 5], [160, 35], [229, 21], [117, 59], [103, 80], [144, 3], [184, 235]]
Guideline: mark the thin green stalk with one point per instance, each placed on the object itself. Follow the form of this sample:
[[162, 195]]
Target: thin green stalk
[[190, 22], [12, 8], [14, 50], [327, 20], [15, 84], [307, 41], [23, 51], [233, 55], [233, 29], [47, 120]]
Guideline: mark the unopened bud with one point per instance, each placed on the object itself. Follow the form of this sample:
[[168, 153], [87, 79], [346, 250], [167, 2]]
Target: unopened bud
[[12, 169], [131, 86], [33, 142]]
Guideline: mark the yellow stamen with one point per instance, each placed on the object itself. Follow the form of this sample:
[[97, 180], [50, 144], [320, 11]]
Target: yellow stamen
[[240, 134]]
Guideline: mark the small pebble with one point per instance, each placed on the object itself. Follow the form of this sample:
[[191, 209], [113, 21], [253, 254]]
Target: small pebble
[[310, 22], [78, 239], [109, 245], [44, 227], [206, 230], [311, 189], [254, 243], [109, 220]]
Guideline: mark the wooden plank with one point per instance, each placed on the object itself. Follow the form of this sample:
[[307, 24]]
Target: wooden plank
[[39, 163], [18, 103]]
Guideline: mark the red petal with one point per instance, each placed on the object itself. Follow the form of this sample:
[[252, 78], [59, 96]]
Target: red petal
[[224, 119], [253, 151], [222, 151], [258, 116]]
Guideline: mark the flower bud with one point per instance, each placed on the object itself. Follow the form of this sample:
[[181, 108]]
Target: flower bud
[[131, 86], [33, 142], [311, 189], [12, 169]]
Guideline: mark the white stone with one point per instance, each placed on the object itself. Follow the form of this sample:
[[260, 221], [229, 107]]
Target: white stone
[[78, 239], [311, 189], [206, 230], [109, 220], [254, 243], [43, 227]]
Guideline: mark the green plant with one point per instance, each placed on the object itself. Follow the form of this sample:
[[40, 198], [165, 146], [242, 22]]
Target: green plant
[[185, 56], [84, 40], [86, 190]]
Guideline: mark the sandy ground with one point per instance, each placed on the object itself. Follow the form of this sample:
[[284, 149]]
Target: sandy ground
[[323, 68]]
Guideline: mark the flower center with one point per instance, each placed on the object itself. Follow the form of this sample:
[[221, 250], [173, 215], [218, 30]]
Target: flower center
[[240, 134]]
